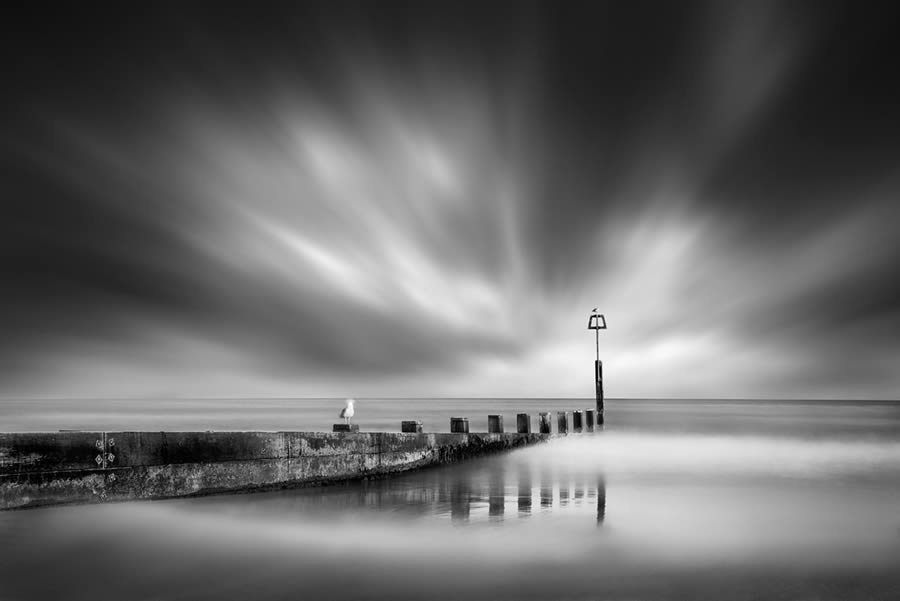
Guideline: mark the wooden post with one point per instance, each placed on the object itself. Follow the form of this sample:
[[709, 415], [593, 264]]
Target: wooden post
[[523, 423], [589, 420], [459, 425], [577, 421], [544, 422], [411, 426], [345, 428], [495, 424], [562, 422]]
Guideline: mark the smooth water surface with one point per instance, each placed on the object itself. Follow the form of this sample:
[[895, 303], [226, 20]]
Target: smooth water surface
[[673, 500]]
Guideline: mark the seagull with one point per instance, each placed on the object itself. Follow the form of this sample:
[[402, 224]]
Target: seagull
[[347, 412]]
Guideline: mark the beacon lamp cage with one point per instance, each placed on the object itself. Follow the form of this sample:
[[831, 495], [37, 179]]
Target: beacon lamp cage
[[596, 321]]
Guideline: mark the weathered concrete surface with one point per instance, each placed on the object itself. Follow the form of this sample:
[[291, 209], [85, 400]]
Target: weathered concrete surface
[[82, 467]]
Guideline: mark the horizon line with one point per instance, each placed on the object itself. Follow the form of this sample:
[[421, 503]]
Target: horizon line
[[438, 398]]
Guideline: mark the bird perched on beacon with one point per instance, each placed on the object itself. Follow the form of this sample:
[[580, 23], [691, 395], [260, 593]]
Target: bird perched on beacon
[[347, 412]]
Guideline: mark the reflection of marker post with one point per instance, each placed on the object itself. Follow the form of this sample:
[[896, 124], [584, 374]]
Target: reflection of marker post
[[597, 322], [601, 501]]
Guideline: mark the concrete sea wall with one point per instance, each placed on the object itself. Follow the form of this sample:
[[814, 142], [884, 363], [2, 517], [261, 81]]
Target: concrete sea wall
[[47, 468]]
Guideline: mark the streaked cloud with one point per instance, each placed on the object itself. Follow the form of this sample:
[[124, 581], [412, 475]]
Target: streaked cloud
[[437, 217]]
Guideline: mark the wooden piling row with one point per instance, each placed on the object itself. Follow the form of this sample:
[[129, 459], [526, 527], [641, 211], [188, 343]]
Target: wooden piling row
[[583, 420]]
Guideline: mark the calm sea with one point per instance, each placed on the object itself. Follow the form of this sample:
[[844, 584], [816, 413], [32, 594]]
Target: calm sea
[[673, 500]]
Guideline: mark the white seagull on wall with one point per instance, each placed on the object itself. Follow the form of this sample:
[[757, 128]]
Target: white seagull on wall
[[347, 412]]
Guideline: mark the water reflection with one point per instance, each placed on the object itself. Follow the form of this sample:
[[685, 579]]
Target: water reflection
[[460, 500], [489, 490], [546, 496], [525, 490], [497, 495], [601, 501]]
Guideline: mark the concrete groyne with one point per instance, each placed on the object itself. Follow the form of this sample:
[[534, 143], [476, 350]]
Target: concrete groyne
[[48, 468]]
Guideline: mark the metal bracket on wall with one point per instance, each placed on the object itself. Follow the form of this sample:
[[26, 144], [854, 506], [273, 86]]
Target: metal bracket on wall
[[105, 446]]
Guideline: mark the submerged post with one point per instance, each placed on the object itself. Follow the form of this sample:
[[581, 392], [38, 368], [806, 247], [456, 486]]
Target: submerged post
[[562, 422], [597, 322], [544, 422], [459, 425], [577, 421], [523, 423], [495, 424]]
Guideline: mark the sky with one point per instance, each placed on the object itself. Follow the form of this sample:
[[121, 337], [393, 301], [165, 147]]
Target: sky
[[428, 199]]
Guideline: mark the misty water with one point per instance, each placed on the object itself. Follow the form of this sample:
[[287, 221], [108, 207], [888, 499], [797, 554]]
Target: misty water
[[672, 500]]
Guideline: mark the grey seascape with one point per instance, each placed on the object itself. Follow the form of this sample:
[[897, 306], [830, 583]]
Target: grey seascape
[[280, 250], [674, 499]]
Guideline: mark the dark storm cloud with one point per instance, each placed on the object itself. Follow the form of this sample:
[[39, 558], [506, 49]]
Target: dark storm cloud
[[102, 242], [433, 192], [121, 224], [760, 120]]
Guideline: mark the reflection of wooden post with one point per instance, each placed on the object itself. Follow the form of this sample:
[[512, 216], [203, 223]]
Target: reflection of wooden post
[[460, 502], [544, 422], [546, 490], [577, 421], [523, 423], [598, 377], [495, 424], [525, 492], [496, 495], [562, 422], [589, 420]]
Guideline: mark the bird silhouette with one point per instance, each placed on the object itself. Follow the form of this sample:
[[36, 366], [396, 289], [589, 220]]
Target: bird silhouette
[[347, 412]]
